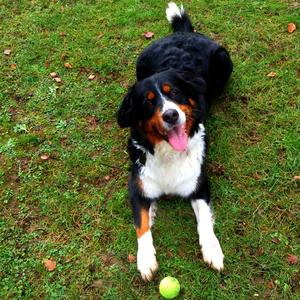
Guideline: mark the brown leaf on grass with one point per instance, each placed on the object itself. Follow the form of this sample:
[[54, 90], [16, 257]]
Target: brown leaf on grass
[[270, 285], [131, 258], [272, 74], [291, 27], [292, 259], [106, 178], [50, 264], [47, 64], [44, 157], [58, 79], [276, 240], [62, 34], [68, 65], [296, 177], [91, 77], [13, 66], [7, 52], [148, 35], [53, 74]]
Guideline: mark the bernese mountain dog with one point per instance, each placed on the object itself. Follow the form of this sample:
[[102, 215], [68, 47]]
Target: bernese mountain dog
[[178, 77]]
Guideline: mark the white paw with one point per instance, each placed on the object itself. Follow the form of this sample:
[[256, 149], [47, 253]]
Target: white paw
[[146, 263], [213, 254]]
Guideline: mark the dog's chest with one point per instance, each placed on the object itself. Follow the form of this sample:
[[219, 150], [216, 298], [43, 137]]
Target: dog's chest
[[172, 172]]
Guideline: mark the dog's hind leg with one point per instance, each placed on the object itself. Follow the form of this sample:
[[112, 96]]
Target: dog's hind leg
[[220, 70]]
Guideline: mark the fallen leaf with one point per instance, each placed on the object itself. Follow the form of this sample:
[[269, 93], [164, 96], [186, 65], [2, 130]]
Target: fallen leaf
[[7, 52], [47, 64], [272, 74], [62, 34], [131, 258], [292, 259], [50, 264], [68, 65], [92, 77], [270, 285], [291, 27], [276, 240], [45, 157], [13, 66], [296, 177], [106, 178], [57, 79], [53, 74], [148, 35]]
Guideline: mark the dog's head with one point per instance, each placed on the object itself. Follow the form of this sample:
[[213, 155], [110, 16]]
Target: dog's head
[[166, 106]]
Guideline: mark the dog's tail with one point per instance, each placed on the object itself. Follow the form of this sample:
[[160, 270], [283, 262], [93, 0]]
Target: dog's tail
[[178, 18]]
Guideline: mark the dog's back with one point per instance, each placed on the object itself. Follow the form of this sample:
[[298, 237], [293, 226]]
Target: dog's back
[[187, 51]]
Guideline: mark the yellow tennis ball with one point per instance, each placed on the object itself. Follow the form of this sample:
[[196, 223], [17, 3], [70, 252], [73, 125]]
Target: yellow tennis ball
[[169, 287]]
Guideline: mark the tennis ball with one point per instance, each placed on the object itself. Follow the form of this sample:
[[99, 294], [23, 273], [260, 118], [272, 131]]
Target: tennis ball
[[169, 287]]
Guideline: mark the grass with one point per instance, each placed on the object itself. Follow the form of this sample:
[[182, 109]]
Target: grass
[[73, 207]]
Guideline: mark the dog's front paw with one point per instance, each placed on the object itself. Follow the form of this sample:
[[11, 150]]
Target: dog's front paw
[[213, 254], [146, 263]]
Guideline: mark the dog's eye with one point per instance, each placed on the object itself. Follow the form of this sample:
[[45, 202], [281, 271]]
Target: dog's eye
[[174, 93]]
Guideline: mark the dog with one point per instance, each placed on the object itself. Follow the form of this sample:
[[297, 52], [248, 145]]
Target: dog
[[177, 79]]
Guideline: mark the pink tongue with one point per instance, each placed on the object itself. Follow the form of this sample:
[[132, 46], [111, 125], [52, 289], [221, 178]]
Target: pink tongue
[[178, 138]]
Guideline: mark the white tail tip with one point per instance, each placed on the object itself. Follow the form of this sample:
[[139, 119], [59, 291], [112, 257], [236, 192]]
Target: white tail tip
[[173, 11]]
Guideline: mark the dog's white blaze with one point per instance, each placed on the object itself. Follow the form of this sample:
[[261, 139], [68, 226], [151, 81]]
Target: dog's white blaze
[[173, 10], [167, 104], [146, 260], [172, 172], [211, 249]]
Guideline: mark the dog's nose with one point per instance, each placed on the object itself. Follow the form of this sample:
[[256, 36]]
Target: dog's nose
[[171, 116]]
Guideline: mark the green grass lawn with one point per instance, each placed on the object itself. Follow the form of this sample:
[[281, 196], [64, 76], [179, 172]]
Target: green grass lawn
[[72, 206]]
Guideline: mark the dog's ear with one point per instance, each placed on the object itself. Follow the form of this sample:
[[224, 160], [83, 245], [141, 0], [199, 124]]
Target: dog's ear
[[126, 113], [193, 85]]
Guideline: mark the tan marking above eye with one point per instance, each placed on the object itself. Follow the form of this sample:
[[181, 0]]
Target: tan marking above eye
[[166, 88], [150, 95], [192, 102]]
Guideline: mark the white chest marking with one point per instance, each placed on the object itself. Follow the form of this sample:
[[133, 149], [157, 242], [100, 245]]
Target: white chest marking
[[172, 172]]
